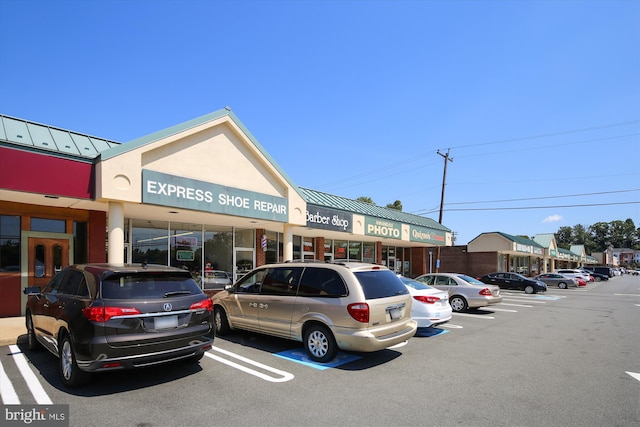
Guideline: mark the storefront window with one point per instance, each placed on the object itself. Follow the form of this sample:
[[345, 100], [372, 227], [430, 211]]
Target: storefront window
[[9, 243], [355, 251], [369, 252], [80, 242], [186, 248], [244, 238], [48, 225], [271, 256], [218, 248], [328, 250], [150, 242], [340, 249], [297, 243]]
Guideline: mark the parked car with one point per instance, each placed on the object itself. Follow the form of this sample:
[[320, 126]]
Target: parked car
[[506, 280], [430, 306], [572, 272], [598, 277], [326, 306], [464, 291], [559, 280], [607, 271], [102, 317], [216, 279]]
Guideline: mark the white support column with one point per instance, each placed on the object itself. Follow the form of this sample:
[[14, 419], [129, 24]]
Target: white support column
[[115, 253], [287, 244]]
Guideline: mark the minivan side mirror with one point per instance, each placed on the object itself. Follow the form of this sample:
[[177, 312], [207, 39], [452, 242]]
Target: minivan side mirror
[[32, 290]]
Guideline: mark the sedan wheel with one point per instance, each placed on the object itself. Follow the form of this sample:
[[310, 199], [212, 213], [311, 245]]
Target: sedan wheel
[[529, 289], [562, 285], [458, 303]]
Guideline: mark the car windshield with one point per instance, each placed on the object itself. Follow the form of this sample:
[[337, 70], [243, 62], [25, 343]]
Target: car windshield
[[415, 285], [380, 284], [470, 279], [147, 286]]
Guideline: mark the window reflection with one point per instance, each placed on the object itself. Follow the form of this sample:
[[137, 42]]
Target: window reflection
[[38, 270]]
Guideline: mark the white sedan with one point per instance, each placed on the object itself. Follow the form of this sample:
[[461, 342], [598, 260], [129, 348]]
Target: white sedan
[[430, 305]]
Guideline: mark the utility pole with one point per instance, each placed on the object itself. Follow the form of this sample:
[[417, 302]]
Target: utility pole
[[444, 180]]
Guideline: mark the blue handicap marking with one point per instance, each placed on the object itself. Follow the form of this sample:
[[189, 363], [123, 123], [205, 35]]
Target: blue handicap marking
[[300, 356], [430, 332]]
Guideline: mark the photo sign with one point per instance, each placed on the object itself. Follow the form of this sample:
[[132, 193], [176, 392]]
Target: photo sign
[[175, 191]]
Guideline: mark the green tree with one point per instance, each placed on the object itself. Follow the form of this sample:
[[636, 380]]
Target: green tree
[[564, 237], [600, 236], [366, 200], [397, 205]]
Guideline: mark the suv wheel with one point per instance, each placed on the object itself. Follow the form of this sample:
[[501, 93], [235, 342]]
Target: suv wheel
[[320, 344], [32, 342], [220, 321], [71, 375], [458, 303]]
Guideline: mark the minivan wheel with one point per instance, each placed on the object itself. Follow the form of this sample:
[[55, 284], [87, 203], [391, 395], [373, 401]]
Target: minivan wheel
[[529, 289], [71, 375], [458, 303], [320, 344], [562, 285], [220, 320], [32, 342]]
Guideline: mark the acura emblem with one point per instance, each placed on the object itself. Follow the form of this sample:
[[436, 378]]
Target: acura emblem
[[167, 306]]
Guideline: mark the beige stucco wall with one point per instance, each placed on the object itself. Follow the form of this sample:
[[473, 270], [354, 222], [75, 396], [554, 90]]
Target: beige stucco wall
[[217, 152], [490, 243]]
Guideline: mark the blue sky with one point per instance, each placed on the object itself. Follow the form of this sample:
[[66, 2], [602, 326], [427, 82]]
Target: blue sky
[[537, 101]]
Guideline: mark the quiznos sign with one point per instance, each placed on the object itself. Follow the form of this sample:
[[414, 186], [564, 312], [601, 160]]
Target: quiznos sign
[[170, 190], [329, 219]]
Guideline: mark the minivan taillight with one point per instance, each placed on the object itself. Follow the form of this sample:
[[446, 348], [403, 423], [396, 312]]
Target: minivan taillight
[[206, 304], [359, 311], [102, 314], [486, 292]]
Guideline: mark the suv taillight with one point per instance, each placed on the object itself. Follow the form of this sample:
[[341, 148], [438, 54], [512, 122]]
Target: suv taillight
[[426, 299], [207, 304], [486, 292], [359, 311], [102, 314]]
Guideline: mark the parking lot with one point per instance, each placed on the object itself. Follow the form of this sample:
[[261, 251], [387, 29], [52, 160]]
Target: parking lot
[[567, 356]]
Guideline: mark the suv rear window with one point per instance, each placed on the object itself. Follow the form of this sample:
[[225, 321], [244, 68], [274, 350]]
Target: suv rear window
[[380, 284], [147, 286]]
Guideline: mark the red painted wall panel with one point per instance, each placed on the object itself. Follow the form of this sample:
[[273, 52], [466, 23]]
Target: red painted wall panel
[[42, 174]]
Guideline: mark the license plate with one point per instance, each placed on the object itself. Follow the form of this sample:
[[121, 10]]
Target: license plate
[[395, 313], [165, 322]]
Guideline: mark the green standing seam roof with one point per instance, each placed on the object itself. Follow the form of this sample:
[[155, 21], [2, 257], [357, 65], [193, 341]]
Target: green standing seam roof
[[355, 206], [544, 239], [38, 138], [516, 239]]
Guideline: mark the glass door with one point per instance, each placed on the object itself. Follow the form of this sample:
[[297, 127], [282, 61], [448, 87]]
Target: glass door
[[243, 262]]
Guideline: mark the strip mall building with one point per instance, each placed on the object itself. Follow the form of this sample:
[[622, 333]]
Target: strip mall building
[[200, 195]]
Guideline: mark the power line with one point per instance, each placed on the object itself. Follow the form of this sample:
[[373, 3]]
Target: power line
[[545, 197], [537, 207]]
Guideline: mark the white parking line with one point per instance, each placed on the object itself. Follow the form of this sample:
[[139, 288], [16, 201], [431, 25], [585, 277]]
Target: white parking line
[[41, 396], [513, 305], [285, 376], [530, 301], [450, 326], [474, 315], [494, 308], [7, 392]]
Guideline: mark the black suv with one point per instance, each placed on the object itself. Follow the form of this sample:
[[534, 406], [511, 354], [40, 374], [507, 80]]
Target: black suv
[[514, 281], [102, 317]]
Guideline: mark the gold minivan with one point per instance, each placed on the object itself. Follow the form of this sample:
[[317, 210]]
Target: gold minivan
[[327, 306]]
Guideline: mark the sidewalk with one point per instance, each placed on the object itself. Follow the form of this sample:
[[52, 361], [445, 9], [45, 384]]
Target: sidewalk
[[10, 329]]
